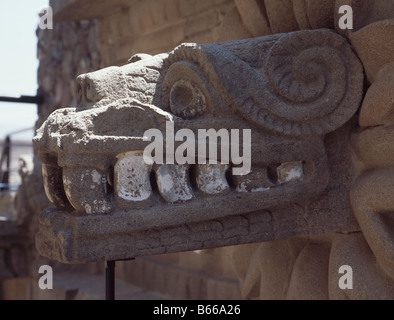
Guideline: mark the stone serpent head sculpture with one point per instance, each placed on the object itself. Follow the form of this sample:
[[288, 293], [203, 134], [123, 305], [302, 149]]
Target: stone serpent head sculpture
[[296, 94]]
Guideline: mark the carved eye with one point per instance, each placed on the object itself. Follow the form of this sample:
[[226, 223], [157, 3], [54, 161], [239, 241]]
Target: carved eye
[[186, 99]]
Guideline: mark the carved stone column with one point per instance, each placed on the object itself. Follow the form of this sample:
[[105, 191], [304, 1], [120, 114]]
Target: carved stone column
[[308, 267], [372, 194]]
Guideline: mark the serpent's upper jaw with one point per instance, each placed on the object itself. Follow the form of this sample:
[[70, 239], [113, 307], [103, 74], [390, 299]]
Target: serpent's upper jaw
[[94, 163]]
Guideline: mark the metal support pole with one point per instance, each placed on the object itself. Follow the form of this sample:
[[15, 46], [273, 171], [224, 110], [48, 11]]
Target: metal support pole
[[23, 99], [5, 155], [110, 280]]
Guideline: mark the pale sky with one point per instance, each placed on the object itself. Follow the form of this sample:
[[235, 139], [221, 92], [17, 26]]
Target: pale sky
[[18, 63]]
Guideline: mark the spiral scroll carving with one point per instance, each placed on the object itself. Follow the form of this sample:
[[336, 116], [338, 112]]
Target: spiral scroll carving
[[302, 83], [314, 79]]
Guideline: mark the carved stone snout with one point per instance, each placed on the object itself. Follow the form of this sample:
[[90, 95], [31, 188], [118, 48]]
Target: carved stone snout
[[108, 84]]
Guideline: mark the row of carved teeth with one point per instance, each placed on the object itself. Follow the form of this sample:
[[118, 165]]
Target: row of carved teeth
[[176, 183]]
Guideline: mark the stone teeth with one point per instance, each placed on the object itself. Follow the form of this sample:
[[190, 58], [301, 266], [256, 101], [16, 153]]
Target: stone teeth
[[256, 181], [53, 185], [86, 189], [211, 179], [173, 183], [132, 182], [290, 171]]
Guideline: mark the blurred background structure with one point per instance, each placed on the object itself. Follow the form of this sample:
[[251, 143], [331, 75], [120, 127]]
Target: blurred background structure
[[18, 65]]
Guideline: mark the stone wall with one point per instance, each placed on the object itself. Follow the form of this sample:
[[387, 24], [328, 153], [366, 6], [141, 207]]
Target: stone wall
[[65, 52], [158, 26]]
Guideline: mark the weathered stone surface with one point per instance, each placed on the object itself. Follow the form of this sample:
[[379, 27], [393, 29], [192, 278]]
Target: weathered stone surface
[[280, 15], [132, 180], [259, 179], [370, 281], [179, 275], [233, 27], [173, 183], [371, 195], [211, 178], [378, 51], [378, 101], [314, 261], [254, 17], [364, 13], [64, 53], [320, 13], [85, 9], [290, 108], [153, 27], [371, 210], [290, 171], [301, 14], [91, 194]]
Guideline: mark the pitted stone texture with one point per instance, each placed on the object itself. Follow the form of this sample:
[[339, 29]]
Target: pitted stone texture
[[90, 194], [132, 177], [211, 178], [301, 14], [371, 195], [173, 183], [378, 51], [257, 180], [365, 12], [280, 15], [254, 17], [370, 282], [320, 13], [290, 171], [53, 184], [377, 104]]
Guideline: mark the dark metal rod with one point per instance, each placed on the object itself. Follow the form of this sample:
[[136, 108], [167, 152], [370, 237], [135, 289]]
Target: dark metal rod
[[23, 99], [5, 155], [110, 280]]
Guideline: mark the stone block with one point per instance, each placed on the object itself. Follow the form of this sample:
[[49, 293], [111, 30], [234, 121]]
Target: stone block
[[201, 22], [69, 10], [320, 13], [16, 289], [281, 16], [373, 47], [232, 27], [254, 17]]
